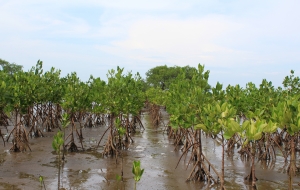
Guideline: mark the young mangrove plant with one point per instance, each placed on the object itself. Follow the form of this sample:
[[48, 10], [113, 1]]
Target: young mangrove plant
[[137, 171], [65, 122], [41, 179], [219, 121], [185, 103], [287, 114], [75, 101], [125, 100], [57, 142], [253, 130], [22, 88], [156, 97]]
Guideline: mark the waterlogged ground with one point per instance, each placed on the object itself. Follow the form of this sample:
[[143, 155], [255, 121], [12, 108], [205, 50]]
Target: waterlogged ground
[[90, 170]]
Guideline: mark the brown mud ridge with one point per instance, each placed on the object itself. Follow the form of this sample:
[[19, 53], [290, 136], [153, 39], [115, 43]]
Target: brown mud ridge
[[90, 170]]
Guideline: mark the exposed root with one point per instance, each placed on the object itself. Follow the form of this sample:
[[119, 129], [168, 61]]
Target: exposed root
[[73, 147], [2, 137], [20, 139]]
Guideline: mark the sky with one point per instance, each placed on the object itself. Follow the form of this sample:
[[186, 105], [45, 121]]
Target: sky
[[237, 41]]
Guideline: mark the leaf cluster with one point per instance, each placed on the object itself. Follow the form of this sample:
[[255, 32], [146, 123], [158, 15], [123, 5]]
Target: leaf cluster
[[124, 92], [137, 170], [219, 117], [163, 76], [58, 141], [186, 98]]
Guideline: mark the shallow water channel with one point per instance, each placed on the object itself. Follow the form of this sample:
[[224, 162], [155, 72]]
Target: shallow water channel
[[90, 170]]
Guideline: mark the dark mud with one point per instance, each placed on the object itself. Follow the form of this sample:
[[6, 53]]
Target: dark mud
[[90, 170]]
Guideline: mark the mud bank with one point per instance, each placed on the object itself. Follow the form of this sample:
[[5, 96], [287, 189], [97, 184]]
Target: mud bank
[[88, 169]]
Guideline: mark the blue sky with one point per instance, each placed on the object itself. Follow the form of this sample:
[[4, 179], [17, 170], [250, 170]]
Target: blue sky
[[238, 41]]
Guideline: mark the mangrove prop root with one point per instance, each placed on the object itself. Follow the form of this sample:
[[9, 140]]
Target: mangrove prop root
[[2, 137], [103, 136], [73, 147]]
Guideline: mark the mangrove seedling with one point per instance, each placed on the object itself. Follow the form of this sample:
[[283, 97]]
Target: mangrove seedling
[[57, 142], [137, 172], [41, 179], [65, 122]]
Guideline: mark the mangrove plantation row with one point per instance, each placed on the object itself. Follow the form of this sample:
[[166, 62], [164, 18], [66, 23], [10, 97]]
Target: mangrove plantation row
[[256, 122]]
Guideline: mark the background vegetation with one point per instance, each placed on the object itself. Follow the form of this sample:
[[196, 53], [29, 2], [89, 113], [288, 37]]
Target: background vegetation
[[255, 119]]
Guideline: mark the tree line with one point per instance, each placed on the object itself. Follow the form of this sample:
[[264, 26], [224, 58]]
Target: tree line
[[256, 119]]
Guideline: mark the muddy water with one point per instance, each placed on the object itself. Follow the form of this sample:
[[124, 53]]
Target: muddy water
[[89, 170]]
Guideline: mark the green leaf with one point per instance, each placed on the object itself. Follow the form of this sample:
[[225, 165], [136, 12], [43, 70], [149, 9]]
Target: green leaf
[[201, 126], [271, 127], [137, 171], [224, 106], [245, 124], [257, 136], [218, 108], [228, 134]]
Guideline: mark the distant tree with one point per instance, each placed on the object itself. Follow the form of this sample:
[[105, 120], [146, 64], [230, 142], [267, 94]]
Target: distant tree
[[3, 63], [10, 68], [144, 85], [292, 83], [163, 76]]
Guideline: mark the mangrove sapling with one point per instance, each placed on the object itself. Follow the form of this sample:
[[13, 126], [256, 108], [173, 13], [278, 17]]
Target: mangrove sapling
[[157, 98], [41, 179], [125, 98], [20, 138], [267, 143], [121, 132], [218, 119], [184, 104], [97, 96], [57, 142], [201, 169], [25, 92], [287, 114], [76, 102], [252, 132], [133, 101], [137, 171], [110, 146], [65, 122], [21, 87], [39, 95], [51, 82], [258, 104]]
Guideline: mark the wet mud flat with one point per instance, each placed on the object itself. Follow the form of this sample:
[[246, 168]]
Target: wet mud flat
[[88, 169]]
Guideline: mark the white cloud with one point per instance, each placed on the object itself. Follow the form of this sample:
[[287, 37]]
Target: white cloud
[[31, 20], [139, 34], [178, 41]]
